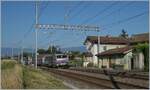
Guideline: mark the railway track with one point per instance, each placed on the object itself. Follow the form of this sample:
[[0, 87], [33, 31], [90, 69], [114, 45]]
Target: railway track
[[123, 74], [106, 81]]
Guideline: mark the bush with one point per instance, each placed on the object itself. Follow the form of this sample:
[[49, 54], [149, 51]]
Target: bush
[[90, 65], [76, 63], [7, 64]]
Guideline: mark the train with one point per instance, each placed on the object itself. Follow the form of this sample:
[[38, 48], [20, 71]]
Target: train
[[53, 60]]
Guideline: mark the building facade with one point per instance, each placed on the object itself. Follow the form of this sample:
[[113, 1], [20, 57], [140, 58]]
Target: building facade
[[106, 43], [116, 52]]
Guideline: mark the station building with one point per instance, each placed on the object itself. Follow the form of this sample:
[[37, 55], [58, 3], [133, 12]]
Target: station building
[[115, 52]]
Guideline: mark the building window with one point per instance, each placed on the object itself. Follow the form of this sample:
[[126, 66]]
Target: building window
[[105, 48]]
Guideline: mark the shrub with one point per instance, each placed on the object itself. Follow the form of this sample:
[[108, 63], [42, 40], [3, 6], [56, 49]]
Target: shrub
[[7, 64], [90, 64]]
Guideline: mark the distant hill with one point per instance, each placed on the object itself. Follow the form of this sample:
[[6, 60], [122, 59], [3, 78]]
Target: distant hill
[[80, 48], [8, 51]]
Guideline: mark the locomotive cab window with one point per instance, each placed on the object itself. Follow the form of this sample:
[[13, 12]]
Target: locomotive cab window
[[64, 56], [59, 56]]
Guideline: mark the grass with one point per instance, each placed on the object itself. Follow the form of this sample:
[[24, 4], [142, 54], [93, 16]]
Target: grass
[[38, 79], [15, 76], [11, 75], [7, 64]]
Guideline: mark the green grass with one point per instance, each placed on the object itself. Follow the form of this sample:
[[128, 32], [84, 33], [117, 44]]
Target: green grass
[[16, 76], [7, 64], [38, 79]]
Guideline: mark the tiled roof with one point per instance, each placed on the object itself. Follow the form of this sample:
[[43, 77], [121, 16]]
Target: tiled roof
[[115, 51], [107, 40], [87, 54], [139, 38], [136, 38]]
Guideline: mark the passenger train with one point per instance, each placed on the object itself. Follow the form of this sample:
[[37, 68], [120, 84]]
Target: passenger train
[[54, 60]]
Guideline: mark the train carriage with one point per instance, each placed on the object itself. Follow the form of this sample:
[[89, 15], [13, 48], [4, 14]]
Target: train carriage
[[56, 60]]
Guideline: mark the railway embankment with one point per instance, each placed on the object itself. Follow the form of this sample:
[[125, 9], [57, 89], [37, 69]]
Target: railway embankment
[[16, 76]]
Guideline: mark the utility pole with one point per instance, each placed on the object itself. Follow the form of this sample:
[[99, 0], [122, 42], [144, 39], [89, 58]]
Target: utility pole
[[98, 47], [36, 21], [22, 55], [12, 54], [32, 54], [18, 55], [60, 27]]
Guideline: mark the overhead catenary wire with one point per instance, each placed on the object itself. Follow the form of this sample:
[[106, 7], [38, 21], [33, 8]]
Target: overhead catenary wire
[[114, 11], [78, 12], [32, 25], [29, 31], [73, 8], [25, 35], [68, 13], [124, 20], [99, 13]]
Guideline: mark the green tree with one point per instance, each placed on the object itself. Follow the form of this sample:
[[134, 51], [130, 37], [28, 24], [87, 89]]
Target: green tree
[[75, 62], [41, 51], [53, 49], [26, 54], [123, 34]]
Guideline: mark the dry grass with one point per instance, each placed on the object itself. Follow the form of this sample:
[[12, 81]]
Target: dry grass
[[15, 76], [11, 75], [38, 79]]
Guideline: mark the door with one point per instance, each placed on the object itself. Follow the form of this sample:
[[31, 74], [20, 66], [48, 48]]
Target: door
[[132, 64]]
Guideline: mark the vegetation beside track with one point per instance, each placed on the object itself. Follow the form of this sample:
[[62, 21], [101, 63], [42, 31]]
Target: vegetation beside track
[[35, 79], [16, 76], [11, 75]]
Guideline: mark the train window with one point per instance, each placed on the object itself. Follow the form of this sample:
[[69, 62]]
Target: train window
[[59, 56], [64, 56]]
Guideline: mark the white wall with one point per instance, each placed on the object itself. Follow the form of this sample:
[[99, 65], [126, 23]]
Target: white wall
[[139, 61], [127, 61], [101, 49], [94, 51]]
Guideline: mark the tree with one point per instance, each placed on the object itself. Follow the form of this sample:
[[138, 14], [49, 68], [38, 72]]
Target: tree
[[74, 54], [41, 51], [53, 49], [123, 34]]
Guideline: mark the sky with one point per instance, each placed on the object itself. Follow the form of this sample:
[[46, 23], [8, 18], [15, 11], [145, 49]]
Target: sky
[[18, 20]]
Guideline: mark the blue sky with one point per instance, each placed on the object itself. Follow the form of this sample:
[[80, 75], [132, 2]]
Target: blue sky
[[18, 17]]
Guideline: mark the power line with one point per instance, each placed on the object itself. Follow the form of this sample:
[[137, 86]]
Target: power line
[[50, 33], [109, 14], [32, 25], [125, 20], [73, 8], [100, 12], [80, 11], [70, 11]]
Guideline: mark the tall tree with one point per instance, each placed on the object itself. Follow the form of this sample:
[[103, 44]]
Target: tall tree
[[51, 50], [124, 34], [41, 51]]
